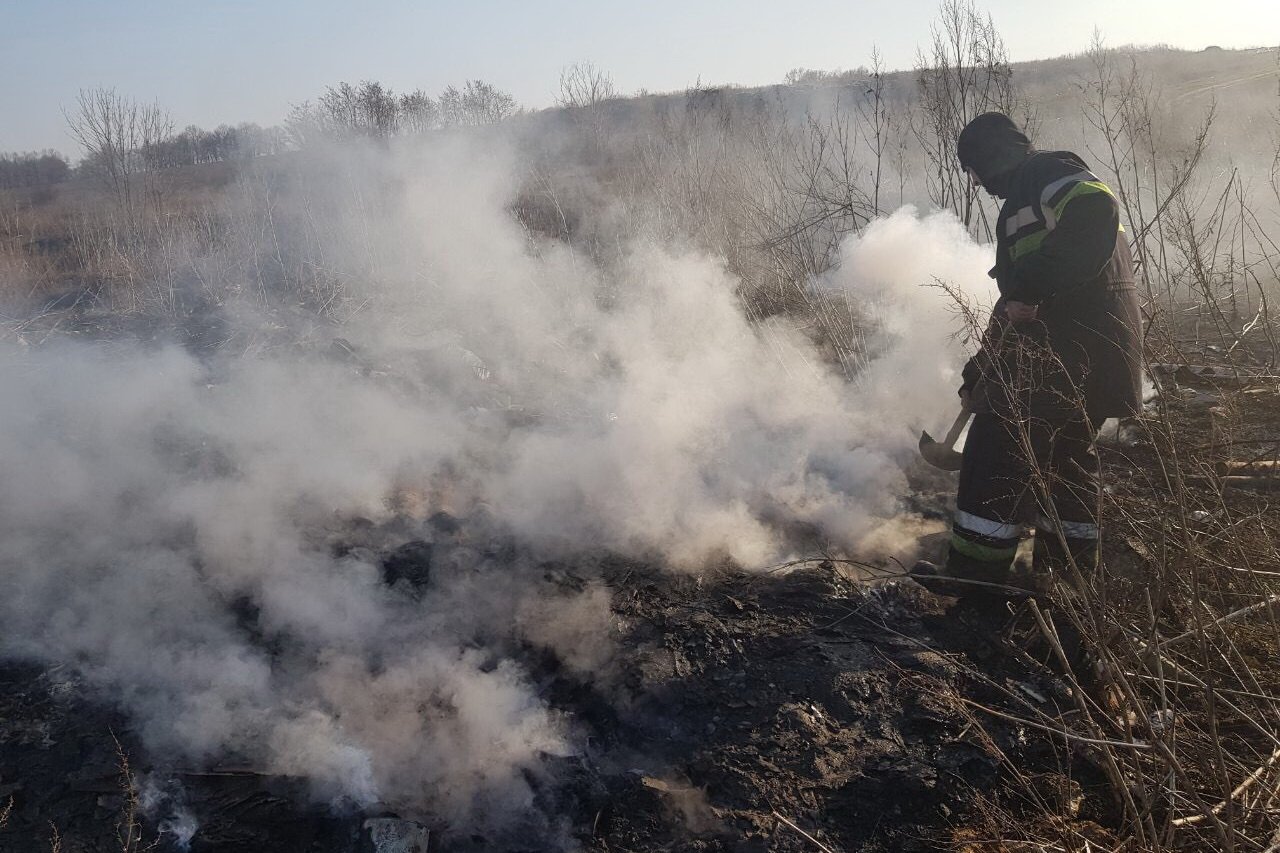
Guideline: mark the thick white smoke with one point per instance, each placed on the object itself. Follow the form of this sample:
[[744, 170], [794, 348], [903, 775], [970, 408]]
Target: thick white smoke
[[166, 523]]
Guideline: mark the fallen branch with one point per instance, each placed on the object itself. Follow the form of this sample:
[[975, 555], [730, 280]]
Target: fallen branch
[[1256, 467], [810, 838], [1239, 789], [1233, 616], [1072, 736], [1264, 483]]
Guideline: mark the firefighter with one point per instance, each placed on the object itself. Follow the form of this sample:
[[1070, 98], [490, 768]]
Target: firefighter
[[1061, 354]]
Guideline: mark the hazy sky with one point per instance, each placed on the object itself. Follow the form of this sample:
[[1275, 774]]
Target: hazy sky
[[240, 60]]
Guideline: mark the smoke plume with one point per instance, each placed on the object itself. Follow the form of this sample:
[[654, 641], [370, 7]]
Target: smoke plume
[[169, 524]]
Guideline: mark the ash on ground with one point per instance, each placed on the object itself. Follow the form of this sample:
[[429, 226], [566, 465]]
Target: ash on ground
[[746, 712]]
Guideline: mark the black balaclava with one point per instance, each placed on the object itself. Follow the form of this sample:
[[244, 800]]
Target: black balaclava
[[993, 146]]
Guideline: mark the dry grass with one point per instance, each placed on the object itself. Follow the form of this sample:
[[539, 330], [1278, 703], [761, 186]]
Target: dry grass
[[1182, 620]]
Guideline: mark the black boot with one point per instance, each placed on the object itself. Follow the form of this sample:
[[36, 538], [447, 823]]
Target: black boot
[[1053, 564], [965, 578]]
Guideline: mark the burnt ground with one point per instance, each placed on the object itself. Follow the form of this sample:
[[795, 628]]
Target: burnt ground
[[805, 709], [771, 707], [752, 709]]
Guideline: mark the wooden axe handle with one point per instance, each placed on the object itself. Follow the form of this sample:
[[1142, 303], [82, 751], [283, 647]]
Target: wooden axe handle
[[954, 433]]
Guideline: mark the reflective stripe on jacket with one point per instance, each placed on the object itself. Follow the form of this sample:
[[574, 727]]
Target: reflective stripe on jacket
[[1060, 245]]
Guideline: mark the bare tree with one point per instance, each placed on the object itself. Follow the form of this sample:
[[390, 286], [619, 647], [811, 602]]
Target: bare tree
[[582, 85], [875, 124], [371, 110], [477, 103], [379, 109], [303, 125], [114, 130], [1153, 154], [418, 112], [32, 168], [966, 73], [368, 110], [819, 77], [252, 140], [584, 91]]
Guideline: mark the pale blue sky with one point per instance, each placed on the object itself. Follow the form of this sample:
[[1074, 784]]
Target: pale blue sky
[[232, 60]]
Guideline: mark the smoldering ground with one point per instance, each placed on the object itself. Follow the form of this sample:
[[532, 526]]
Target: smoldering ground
[[167, 520]]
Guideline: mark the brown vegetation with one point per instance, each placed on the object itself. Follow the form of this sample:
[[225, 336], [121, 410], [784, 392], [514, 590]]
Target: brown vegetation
[[1182, 624]]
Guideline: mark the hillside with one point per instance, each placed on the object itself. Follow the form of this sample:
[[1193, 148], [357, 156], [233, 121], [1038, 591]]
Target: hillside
[[547, 482]]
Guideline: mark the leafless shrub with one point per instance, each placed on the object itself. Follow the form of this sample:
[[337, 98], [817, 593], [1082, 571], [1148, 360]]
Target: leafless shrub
[[876, 127], [1176, 702], [819, 77], [113, 130], [129, 831], [1181, 639], [807, 197], [965, 73], [1199, 250], [1182, 616], [771, 196]]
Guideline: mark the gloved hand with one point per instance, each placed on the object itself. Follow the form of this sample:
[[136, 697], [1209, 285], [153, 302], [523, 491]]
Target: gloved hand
[[1020, 312]]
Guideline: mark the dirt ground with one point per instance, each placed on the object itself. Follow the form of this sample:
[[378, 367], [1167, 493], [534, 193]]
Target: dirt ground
[[798, 710], [756, 710]]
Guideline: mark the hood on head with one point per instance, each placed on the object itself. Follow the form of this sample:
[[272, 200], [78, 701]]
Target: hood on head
[[992, 145]]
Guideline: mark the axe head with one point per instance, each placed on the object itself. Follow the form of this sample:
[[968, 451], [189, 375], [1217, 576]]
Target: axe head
[[938, 455]]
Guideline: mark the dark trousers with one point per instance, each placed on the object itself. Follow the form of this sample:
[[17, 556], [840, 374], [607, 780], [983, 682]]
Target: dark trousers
[[1033, 471]]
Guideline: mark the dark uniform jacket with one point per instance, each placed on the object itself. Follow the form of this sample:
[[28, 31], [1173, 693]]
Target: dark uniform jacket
[[1060, 245]]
